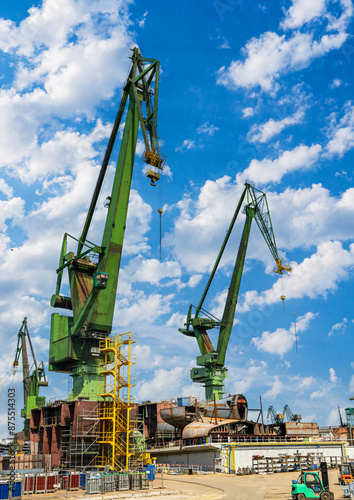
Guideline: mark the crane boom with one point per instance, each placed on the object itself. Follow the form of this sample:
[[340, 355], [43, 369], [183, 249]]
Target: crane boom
[[31, 381], [74, 343], [212, 360]]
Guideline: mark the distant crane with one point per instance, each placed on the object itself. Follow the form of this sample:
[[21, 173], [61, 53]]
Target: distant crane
[[211, 369], [31, 381], [340, 418], [290, 415], [276, 418]]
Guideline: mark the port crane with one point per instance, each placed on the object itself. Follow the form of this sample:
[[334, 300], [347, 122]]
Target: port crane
[[211, 369], [94, 268], [276, 418], [290, 415], [31, 381]]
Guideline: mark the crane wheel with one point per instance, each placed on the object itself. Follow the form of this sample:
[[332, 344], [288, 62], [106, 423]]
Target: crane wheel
[[301, 496], [325, 495]]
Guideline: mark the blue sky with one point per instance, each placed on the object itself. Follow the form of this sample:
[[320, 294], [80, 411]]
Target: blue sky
[[254, 91]]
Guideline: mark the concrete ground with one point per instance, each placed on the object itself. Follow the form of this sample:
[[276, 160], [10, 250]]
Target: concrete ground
[[205, 487]]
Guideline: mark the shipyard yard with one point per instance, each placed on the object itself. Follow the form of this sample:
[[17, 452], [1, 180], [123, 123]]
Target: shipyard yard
[[210, 487]]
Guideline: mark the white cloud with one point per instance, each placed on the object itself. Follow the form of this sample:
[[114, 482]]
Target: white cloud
[[302, 12], [194, 280], [301, 218], [332, 376], [342, 134], [186, 145], [265, 131], [240, 380], [68, 151], [207, 128], [325, 386], [150, 270], [145, 359], [266, 58], [224, 45], [336, 83], [141, 22], [339, 327], [165, 384], [267, 170], [12, 209], [140, 308], [5, 188], [308, 279], [177, 320], [246, 112], [275, 390], [282, 340], [205, 218], [56, 75]]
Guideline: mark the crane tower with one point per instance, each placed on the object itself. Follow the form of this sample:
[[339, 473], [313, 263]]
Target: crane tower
[[74, 340]]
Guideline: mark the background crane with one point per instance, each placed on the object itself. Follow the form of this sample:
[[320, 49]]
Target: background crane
[[290, 415], [213, 371], [74, 340], [276, 418], [31, 381]]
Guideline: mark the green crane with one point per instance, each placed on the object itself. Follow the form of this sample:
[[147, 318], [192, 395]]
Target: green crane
[[213, 371], [74, 340], [276, 418], [31, 381], [290, 415]]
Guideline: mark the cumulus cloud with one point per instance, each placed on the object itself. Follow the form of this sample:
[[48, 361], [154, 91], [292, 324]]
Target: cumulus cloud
[[302, 12], [150, 270], [56, 75], [270, 55], [265, 131], [302, 218], [336, 83], [275, 390], [342, 134], [308, 278], [165, 383], [272, 171], [282, 340], [141, 308], [207, 128], [339, 327], [186, 145], [332, 376], [247, 112]]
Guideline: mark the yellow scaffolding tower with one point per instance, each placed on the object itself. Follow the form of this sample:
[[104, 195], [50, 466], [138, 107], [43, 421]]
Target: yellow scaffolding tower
[[116, 405]]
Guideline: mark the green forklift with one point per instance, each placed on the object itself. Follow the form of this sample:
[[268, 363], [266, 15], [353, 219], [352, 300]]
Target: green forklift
[[310, 485]]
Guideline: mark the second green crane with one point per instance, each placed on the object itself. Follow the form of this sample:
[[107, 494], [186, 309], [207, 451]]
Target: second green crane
[[211, 371]]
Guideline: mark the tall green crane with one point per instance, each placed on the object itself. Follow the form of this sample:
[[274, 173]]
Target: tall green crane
[[276, 418], [74, 340], [290, 415], [213, 371], [31, 381]]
